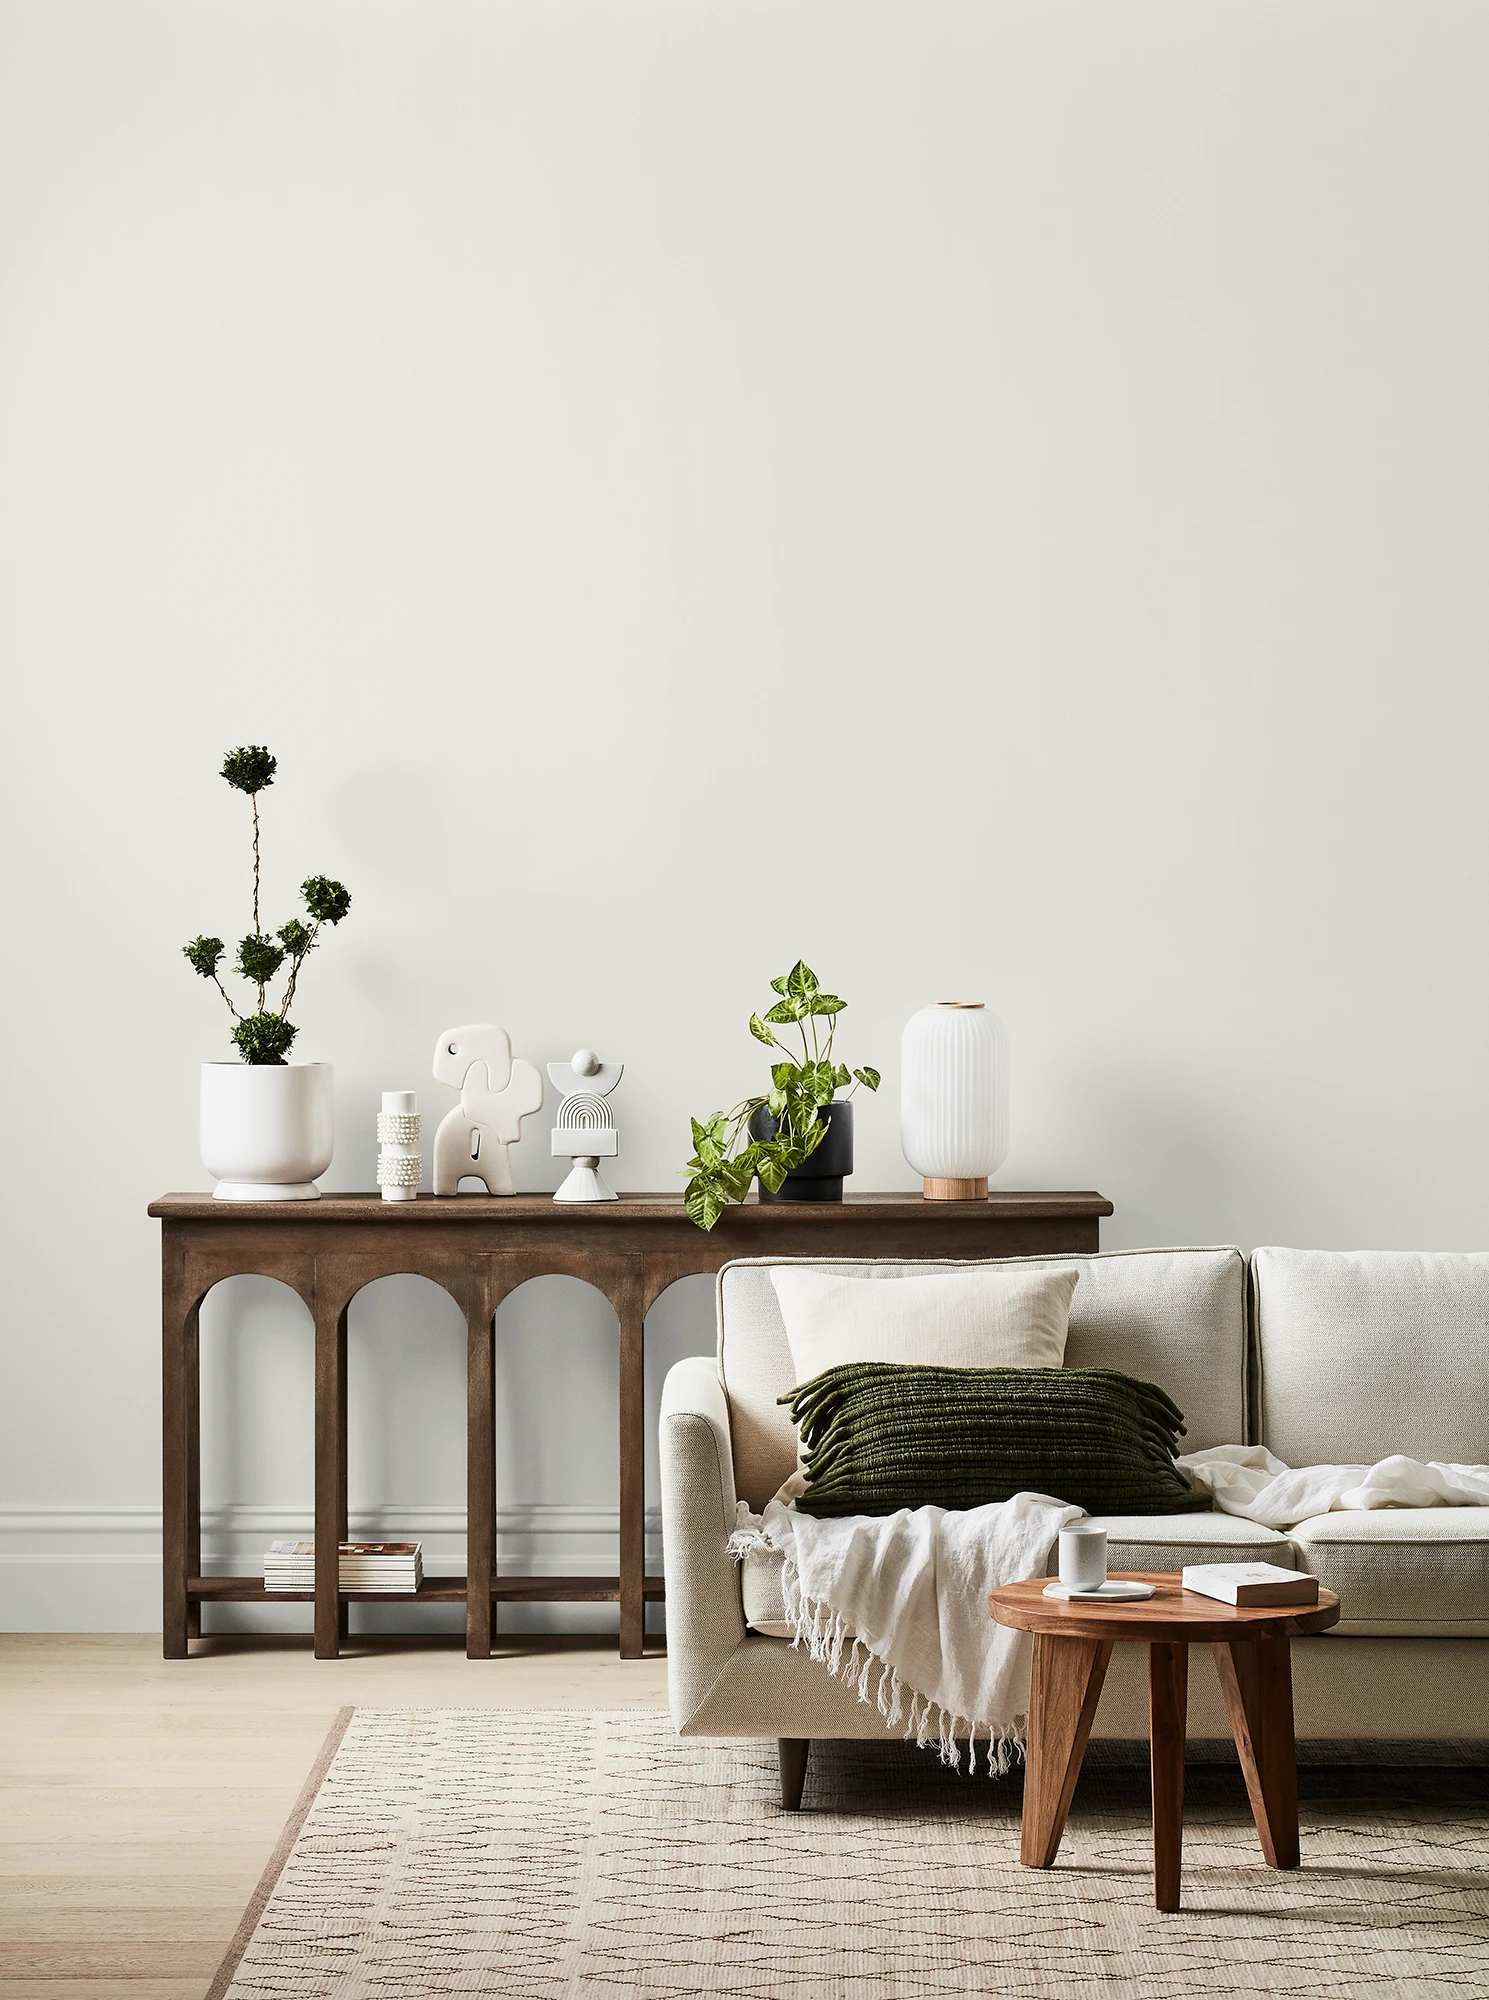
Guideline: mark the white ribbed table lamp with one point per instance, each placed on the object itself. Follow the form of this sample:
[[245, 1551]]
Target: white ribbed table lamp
[[954, 1098]]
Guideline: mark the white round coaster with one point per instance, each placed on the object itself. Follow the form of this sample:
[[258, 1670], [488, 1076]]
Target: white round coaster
[[1113, 1591]]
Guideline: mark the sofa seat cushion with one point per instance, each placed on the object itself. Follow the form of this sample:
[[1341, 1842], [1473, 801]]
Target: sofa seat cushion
[[1134, 1541], [1170, 1542], [762, 1595], [1404, 1572]]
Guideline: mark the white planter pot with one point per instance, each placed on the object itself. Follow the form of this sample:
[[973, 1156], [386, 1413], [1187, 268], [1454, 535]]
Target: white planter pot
[[267, 1129]]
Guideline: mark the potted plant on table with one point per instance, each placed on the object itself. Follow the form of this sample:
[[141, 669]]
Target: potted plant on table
[[797, 1137], [266, 1121]]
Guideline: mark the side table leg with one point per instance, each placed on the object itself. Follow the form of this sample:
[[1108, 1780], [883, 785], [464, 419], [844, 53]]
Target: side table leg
[[1063, 1692], [1168, 1715], [630, 1312], [480, 1479], [1257, 1680], [330, 1479]]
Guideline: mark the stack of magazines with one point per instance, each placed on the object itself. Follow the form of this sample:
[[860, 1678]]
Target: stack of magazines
[[392, 1566]]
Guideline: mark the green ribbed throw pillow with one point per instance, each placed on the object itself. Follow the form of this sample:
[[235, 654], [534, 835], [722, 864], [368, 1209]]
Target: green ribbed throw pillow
[[877, 1436]]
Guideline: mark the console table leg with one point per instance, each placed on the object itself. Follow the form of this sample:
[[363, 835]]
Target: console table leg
[[181, 1474], [1168, 1717], [480, 1480], [1257, 1680], [193, 1427], [343, 1515], [330, 1480], [630, 1310]]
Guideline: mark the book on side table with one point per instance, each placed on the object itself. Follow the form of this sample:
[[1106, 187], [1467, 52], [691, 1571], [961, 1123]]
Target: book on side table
[[1251, 1583]]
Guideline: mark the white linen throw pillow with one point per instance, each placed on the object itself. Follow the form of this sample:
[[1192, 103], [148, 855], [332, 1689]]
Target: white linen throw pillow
[[1005, 1318]]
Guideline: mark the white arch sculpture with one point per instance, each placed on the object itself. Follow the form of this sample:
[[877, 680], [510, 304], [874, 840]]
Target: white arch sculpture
[[585, 1130]]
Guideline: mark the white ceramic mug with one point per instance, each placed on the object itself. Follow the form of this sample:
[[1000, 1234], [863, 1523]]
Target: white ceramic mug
[[1083, 1557]]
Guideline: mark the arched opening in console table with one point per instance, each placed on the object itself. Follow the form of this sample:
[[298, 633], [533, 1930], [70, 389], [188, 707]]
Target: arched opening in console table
[[230, 1325]]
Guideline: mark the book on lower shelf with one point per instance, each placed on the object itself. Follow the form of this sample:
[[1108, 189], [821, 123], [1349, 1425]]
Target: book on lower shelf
[[1251, 1583], [395, 1567]]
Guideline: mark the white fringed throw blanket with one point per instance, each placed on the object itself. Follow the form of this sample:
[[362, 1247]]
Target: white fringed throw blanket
[[896, 1604], [1247, 1479]]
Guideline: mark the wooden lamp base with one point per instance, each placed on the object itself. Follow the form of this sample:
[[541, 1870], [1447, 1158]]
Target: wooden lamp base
[[964, 1190]]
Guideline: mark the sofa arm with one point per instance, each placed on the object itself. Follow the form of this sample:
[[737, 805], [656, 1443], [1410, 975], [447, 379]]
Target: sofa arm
[[705, 1622]]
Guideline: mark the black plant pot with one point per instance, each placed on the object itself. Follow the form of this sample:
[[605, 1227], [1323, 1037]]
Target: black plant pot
[[821, 1176]]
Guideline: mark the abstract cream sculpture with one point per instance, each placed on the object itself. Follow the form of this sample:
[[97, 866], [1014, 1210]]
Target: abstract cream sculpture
[[496, 1094], [585, 1129]]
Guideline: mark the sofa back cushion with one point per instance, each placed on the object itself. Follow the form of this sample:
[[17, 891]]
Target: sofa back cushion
[[1362, 1353], [1174, 1317]]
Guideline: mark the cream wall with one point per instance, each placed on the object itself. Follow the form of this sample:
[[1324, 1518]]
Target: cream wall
[[990, 497]]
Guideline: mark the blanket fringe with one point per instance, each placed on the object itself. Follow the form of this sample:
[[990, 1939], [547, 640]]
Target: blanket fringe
[[749, 1537], [825, 1635], [832, 1644]]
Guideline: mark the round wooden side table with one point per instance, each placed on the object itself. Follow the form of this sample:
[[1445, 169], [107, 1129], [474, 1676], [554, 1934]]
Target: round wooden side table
[[1072, 1645]]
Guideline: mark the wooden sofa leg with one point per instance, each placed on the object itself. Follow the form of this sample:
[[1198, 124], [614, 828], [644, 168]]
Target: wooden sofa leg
[[793, 1770]]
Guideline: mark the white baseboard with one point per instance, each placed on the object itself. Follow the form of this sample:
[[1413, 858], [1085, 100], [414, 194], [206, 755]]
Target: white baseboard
[[97, 1569]]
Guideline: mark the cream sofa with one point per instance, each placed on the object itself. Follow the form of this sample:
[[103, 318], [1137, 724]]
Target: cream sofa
[[1325, 1357]]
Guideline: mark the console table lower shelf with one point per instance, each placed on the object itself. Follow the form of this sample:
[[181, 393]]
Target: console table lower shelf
[[433, 1590], [480, 1248]]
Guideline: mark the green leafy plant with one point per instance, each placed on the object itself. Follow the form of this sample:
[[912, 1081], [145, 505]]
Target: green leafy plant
[[264, 1035], [725, 1159]]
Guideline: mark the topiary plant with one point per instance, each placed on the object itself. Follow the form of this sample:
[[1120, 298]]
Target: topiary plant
[[264, 1036], [798, 1092]]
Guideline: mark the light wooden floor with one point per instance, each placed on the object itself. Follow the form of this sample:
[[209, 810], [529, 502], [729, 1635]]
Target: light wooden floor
[[140, 1798]]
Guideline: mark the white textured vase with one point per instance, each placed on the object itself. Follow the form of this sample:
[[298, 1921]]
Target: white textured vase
[[267, 1129], [954, 1098]]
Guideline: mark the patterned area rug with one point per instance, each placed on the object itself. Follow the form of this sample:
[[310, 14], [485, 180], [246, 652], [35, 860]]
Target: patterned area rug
[[539, 1855]]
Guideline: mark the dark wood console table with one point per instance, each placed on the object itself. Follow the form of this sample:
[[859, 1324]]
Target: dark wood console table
[[480, 1248]]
